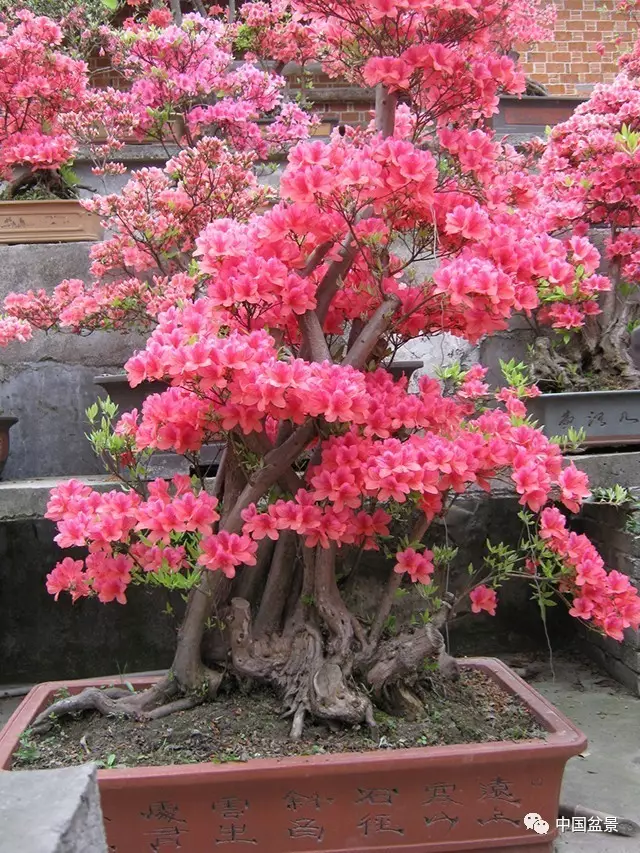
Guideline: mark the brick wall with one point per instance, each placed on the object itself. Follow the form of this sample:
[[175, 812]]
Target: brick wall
[[570, 65]]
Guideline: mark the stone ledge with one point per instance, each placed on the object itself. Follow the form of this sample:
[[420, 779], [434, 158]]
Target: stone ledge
[[51, 811], [25, 500]]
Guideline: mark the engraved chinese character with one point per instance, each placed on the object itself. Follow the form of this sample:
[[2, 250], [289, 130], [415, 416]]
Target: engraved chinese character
[[625, 417], [235, 834], [306, 827], [567, 419], [498, 817], [230, 808], [295, 800], [440, 793], [163, 811], [377, 796], [375, 824], [596, 418], [442, 816], [164, 837], [498, 789]]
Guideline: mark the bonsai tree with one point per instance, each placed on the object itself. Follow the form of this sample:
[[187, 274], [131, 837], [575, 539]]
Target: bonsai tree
[[590, 175], [184, 93], [280, 352], [39, 83]]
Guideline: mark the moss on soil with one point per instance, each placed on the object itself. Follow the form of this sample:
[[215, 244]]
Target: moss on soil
[[243, 725]]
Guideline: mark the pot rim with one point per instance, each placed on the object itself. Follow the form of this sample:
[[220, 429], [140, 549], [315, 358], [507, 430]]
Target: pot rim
[[7, 421], [121, 378], [618, 392], [563, 741], [74, 201]]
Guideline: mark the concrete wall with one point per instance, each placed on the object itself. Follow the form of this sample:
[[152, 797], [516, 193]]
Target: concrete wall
[[48, 382], [41, 639]]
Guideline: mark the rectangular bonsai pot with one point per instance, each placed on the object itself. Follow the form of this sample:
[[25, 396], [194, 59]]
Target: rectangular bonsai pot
[[421, 800], [64, 221], [609, 418]]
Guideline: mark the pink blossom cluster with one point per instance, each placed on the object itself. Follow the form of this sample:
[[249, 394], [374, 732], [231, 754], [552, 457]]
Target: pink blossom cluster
[[278, 322], [591, 171], [607, 599], [108, 521], [186, 71], [449, 57], [39, 83], [13, 329], [273, 31], [154, 222]]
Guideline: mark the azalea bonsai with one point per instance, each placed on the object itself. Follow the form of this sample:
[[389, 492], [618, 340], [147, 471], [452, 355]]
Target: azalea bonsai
[[39, 83], [273, 328], [590, 175]]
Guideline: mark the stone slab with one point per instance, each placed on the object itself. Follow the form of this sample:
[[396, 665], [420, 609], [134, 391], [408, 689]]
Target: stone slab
[[51, 811], [25, 500]]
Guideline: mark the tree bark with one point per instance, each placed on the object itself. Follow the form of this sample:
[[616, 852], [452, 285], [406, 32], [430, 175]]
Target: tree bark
[[386, 103]]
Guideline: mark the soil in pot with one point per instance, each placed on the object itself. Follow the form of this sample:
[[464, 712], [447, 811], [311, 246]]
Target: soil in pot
[[241, 726]]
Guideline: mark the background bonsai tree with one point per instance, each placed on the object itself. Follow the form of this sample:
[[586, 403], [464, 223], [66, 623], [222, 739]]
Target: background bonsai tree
[[185, 93], [590, 176], [39, 83], [281, 356]]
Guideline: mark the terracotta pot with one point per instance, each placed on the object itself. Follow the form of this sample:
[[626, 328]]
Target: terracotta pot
[[47, 222], [424, 800], [5, 426]]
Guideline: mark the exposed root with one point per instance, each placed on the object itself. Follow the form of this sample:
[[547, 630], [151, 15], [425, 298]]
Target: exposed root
[[151, 704], [109, 702], [298, 723], [295, 663], [400, 659], [174, 707]]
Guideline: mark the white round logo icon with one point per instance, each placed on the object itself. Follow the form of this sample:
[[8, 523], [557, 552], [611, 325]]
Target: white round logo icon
[[535, 822]]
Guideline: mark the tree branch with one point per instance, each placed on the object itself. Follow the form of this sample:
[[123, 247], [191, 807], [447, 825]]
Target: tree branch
[[316, 258], [393, 585], [277, 461], [386, 102], [313, 336], [370, 335], [176, 11]]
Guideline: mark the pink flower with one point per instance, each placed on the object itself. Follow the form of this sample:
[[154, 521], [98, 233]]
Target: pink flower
[[419, 566], [574, 487], [581, 608], [483, 598]]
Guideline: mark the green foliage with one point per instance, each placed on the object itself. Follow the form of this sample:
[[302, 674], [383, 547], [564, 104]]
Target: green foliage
[[628, 139], [615, 496], [516, 373], [572, 442], [28, 751], [452, 376]]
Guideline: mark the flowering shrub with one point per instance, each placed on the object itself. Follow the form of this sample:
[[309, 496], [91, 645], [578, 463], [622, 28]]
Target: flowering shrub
[[590, 177], [274, 340], [39, 83]]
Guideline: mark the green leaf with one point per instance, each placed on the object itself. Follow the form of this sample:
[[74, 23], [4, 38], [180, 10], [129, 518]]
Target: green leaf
[[111, 5]]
